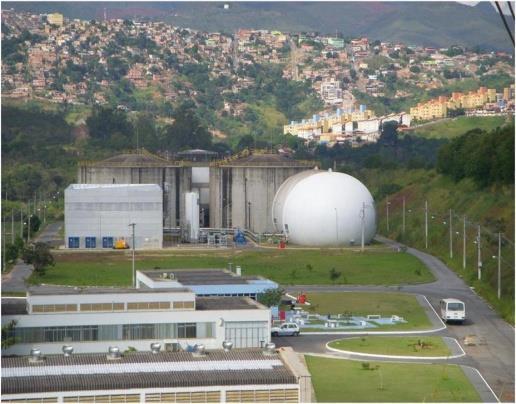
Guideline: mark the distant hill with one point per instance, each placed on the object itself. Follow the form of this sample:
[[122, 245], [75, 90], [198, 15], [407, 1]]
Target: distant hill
[[424, 23]]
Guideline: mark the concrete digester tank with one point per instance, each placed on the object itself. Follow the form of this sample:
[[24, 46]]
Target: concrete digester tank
[[324, 208]]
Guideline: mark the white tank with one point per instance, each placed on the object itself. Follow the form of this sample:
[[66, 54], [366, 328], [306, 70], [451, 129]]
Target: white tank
[[324, 208]]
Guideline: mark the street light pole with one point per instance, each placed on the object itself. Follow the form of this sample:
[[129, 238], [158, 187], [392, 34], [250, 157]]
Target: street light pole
[[363, 226], [451, 235], [12, 226], [426, 224], [499, 265], [403, 223], [28, 223], [387, 207], [479, 258], [133, 270], [464, 243]]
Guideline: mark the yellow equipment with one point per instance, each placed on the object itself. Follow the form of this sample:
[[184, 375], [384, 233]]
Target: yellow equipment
[[121, 245]]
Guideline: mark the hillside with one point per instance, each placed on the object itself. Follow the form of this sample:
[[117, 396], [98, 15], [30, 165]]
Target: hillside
[[454, 127], [492, 208], [424, 23]]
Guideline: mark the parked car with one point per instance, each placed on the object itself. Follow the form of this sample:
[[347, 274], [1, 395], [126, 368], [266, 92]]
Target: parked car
[[289, 329]]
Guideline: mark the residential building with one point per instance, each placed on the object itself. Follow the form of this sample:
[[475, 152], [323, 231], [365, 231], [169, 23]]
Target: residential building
[[55, 19]]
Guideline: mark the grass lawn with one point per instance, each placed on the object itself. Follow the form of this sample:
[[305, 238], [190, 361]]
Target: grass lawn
[[337, 380], [403, 346], [364, 303], [456, 127], [373, 267]]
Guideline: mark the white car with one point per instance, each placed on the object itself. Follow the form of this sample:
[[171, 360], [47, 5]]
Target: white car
[[452, 310], [291, 329]]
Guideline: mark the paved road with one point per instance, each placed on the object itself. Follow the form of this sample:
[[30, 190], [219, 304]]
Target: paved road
[[14, 281], [50, 235], [493, 355]]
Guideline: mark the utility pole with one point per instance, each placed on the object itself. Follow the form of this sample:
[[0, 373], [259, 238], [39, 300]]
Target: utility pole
[[464, 243], [21, 224], [12, 226], [479, 258], [28, 222], [403, 223], [451, 235], [426, 224], [133, 271], [499, 265], [387, 208], [362, 215]]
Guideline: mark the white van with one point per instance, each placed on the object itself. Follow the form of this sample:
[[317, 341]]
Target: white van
[[452, 310]]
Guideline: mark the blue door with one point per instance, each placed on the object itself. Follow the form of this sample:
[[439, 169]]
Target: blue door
[[91, 242], [73, 242], [107, 242]]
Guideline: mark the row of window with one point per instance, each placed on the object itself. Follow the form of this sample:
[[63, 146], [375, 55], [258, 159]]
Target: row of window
[[263, 396], [90, 242], [53, 308], [113, 332]]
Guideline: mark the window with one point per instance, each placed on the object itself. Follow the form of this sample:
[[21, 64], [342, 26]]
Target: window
[[51, 308], [186, 330], [73, 242], [107, 242], [91, 242]]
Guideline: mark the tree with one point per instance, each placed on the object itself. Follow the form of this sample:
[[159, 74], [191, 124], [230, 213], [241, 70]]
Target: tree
[[11, 252], [334, 275], [271, 297], [39, 256], [187, 132], [8, 338]]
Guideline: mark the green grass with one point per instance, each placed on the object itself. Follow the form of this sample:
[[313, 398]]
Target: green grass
[[364, 303], [402, 346], [458, 126], [337, 380], [375, 266], [493, 208]]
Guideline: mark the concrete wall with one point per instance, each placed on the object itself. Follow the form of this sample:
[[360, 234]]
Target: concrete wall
[[174, 181], [252, 190]]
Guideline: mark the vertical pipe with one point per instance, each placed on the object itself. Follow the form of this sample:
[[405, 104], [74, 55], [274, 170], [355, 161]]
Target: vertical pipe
[[133, 266], [451, 235], [426, 224], [479, 258], [464, 243], [499, 265], [403, 223]]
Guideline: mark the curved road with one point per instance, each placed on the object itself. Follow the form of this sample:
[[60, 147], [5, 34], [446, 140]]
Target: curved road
[[493, 352]]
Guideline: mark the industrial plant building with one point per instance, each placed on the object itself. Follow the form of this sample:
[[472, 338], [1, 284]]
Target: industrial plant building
[[232, 193], [100, 215], [242, 190], [205, 282], [93, 319], [251, 375]]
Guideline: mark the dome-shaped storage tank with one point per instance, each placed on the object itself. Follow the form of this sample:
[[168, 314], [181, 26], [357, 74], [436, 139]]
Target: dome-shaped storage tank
[[324, 208]]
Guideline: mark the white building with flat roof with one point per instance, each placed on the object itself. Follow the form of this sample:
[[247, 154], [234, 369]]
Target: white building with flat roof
[[97, 215], [93, 319]]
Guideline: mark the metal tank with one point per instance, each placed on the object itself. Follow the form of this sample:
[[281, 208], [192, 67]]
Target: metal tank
[[242, 189], [324, 208]]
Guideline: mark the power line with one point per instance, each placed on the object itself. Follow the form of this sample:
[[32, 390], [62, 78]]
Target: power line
[[505, 22]]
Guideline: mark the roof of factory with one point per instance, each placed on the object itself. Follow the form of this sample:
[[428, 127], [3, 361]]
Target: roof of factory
[[198, 276], [80, 372], [263, 160]]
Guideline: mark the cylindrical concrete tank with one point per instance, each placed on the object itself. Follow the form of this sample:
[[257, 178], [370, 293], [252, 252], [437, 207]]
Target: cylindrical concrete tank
[[324, 208]]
